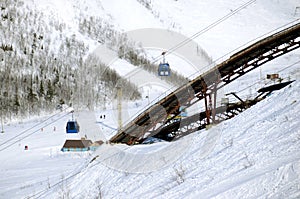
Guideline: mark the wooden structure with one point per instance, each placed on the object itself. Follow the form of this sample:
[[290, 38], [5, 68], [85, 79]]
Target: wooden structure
[[273, 76], [156, 118], [175, 130], [76, 145]]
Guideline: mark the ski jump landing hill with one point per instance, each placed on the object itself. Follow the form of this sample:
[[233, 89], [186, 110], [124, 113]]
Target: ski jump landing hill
[[156, 121]]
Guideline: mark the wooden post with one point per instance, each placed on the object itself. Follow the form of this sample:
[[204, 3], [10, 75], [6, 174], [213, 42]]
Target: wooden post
[[119, 92], [215, 104], [207, 111]]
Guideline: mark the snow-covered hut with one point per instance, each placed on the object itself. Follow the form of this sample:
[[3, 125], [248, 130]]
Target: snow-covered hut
[[76, 145]]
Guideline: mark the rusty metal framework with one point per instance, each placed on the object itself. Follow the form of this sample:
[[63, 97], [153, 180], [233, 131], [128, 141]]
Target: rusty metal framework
[[178, 129], [199, 121], [153, 120]]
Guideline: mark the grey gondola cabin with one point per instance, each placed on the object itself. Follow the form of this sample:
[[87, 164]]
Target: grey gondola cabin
[[164, 67]]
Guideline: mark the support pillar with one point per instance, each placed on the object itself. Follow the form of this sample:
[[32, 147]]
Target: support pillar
[[214, 106], [210, 100], [119, 93], [207, 103]]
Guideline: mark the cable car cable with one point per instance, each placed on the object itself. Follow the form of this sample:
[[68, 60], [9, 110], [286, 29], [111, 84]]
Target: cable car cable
[[197, 34], [23, 132]]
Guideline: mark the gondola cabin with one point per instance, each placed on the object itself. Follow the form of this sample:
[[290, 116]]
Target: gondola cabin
[[72, 127], [164, 69]]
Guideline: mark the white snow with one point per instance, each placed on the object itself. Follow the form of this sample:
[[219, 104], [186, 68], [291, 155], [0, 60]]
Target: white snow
[[254, 155]]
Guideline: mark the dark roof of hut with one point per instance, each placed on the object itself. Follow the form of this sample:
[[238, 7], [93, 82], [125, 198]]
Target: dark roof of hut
[[77, 143]]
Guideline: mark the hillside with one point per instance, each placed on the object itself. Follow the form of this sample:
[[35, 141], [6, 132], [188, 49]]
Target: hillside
[[44, 62], [259, 159], [50, 57]]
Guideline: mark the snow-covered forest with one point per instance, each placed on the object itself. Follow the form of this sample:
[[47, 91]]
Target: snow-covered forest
[[42, 66], [45, 65]]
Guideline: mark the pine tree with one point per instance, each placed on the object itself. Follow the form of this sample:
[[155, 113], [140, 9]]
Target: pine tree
[[16, 105], [50, 92], [32, 98], [41, 90]]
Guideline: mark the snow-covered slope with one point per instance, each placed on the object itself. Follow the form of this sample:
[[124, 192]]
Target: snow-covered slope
[[190, 17], [258, 159], [186, 17], [254, 155]]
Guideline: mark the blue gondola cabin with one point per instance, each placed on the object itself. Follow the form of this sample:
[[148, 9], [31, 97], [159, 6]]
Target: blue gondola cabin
[[72, 127], [164, 69]]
